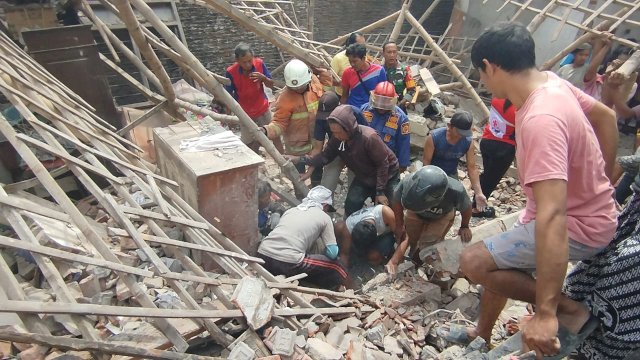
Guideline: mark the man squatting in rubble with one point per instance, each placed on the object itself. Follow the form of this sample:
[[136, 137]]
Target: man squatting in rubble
[[304, 242], [570, 213], [431, 199]]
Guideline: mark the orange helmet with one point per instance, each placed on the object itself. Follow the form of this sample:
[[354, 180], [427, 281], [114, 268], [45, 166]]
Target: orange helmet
[[384, 96]]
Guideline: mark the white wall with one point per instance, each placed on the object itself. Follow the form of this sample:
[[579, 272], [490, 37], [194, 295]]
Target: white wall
[[481, 16]]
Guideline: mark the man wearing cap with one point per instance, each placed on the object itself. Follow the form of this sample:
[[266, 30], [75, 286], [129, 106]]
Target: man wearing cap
[[363, 152], [304, 242], [445, 146], [390, 122]]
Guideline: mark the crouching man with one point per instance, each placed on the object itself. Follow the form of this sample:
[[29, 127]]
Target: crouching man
[[369, 233], [431, 199], [304, 242]]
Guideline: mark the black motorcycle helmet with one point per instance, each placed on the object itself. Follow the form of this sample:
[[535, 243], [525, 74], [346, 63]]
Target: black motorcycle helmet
[[424, 189]]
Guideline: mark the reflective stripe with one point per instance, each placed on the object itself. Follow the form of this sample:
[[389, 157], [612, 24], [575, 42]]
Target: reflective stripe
[[299, 115], [313, 105], [298, 150]]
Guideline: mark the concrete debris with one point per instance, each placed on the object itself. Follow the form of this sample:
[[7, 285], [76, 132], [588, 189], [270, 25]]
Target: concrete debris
[[254, 299], [468, 304], [321, 350], [242, 351], [453, 353], [392, 346], [284, 341]]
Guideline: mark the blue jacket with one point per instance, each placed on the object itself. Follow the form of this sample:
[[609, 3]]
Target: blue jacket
[[393, 129]]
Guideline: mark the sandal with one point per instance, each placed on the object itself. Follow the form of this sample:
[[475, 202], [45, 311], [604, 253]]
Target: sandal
[[455, 334], [488, 212]]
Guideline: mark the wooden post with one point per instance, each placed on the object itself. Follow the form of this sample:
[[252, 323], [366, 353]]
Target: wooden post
[[539, 18], [422, 19], [629, 66], [380, 23], [603, 26], [399, 21], [311, 5], [450, 65], [128, 17]]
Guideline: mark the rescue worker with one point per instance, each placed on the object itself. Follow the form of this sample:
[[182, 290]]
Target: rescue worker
[[248, 75], [295, 113], [368, 233], [304, 242], [374, 165], [398, 74], [389, 121], [431, 199]]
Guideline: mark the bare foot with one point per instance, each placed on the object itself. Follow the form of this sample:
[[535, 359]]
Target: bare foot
[[575, 319]]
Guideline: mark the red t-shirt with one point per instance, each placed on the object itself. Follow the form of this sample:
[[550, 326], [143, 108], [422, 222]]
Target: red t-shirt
[[500, 126], [249, 94]]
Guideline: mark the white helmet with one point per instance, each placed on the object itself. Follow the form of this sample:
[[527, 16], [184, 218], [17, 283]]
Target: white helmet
[[296, 74]]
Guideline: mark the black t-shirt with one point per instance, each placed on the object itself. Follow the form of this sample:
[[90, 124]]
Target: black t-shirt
[[455, 198]]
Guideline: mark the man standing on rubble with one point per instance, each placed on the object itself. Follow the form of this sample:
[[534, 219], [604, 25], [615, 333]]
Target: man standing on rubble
[[304, 242], [431, 199], [398, 74], [444, 147], [570, 213], [390, 122], [359, 80], [247, 77], [363, 152]]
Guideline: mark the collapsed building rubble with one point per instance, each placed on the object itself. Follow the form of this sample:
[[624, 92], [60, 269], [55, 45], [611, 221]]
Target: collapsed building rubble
[[114, 274]]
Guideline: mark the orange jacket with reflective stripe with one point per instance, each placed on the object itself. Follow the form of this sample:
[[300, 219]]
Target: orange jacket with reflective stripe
[[294, 118]]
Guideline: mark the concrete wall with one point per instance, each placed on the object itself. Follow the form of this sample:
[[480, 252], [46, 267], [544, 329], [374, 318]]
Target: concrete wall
[[548, 41], [480, 16]]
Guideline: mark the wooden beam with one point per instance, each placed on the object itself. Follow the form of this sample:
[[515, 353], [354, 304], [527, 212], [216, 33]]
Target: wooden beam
[[450, 65], [380, 23], [213, 86], [108, 310], [157, 216], [100, 346], [187, 245], [154, 110]]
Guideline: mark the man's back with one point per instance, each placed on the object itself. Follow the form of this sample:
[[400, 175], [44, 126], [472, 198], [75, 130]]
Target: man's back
[[556, 141], [296, 233]]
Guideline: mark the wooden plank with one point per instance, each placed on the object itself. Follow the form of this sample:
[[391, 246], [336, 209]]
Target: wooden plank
[[142, 118], [30, 206], [432, 86], [188, 245], [65, 156], [101, 154], [29, 183], [450, 65], [157, 216], [65, 255], [125, 311], [106, 347]]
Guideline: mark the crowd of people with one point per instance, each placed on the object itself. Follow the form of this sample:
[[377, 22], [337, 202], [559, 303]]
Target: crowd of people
[[561, 129]]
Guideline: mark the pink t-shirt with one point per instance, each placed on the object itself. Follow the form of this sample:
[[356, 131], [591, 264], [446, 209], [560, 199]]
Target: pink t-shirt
[[556, 141]]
